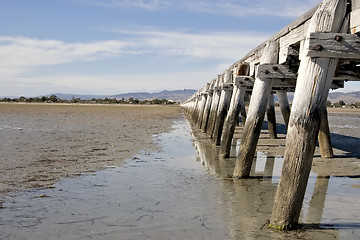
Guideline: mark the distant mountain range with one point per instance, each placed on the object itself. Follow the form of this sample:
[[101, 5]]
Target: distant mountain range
[[176, 95], [351, 97], [181, 95], [335, 97]]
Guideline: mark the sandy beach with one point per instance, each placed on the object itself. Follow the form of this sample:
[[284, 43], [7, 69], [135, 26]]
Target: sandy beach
[[44, 143], [144, 172]]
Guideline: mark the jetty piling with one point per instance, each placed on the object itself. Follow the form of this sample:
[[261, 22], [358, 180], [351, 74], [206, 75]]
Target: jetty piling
[[317, 52], [284, 105], [231, 121], [214, 106], [223, 106], [313, 85], [271, 118], [256, 114]]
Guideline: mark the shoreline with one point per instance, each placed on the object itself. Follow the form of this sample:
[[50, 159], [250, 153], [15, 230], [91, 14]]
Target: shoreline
[[44, 142], [88, 104], [54, 141]]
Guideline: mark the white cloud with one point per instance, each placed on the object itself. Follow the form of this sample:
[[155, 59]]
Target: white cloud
[[240, 8], [20, 53], [145, 4], [109, 84], [21, 56], [217, 45], [279, 8]]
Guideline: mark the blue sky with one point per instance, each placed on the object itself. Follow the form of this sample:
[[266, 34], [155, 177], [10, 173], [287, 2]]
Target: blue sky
[[118, 46]]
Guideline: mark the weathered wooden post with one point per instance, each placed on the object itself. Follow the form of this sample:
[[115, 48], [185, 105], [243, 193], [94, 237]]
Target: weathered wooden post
[[204, 122], [326, 150], [243, 70], [237, 99], [284, 105], [243, 109], [256, 114], [195, 108], [223, 106], [312, 88], [201, 107], [271, 118], [214, 106], [204, 95], [231, 120]]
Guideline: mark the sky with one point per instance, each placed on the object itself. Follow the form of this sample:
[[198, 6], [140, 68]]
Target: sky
[[118, 46]]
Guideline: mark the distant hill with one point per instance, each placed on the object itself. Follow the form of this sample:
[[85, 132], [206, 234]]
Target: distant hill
[[69, 96], [335, 97], [176, 95], [351, 97], [181, 95]]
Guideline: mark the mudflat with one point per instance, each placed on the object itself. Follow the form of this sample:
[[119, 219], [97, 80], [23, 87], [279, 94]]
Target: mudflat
[[44, 143]]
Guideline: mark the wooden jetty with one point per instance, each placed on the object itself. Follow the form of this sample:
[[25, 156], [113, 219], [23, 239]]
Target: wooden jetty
[[317, 52]]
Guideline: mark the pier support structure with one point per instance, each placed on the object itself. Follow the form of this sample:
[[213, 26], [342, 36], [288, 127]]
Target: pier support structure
[[314, 53], [313, 84], [256, 114], [214, 106], [271, 117], [223, 106], [284, 105], [236, 104], [205, 119]]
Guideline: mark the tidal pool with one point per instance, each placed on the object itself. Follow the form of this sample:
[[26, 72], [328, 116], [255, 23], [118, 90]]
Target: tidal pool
[[183, 191]]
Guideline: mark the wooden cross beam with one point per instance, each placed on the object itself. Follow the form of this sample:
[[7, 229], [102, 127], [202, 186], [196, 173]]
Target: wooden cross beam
[[244, 81], [334, 45], [275, 71]]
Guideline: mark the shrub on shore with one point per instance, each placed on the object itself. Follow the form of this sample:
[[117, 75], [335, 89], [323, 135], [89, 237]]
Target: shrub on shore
[[55, 99]]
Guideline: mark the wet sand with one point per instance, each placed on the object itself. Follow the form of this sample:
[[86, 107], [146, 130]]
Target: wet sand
[[180, 189], [44, 143]]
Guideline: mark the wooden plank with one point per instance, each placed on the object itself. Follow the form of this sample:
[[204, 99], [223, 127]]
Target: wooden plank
[[355, 21], [284, 31], [296, 35], [281, 83], [334, 45], [287, 89], [244, 81], [275, 71], [347, 77], [355, 4]]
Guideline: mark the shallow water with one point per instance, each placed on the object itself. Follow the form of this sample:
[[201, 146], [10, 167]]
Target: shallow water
[[181, 192]]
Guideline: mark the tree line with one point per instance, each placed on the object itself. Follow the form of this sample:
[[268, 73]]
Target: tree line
[[342, 104], [55, 99]]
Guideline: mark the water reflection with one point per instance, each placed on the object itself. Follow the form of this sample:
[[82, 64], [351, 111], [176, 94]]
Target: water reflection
[[169, 195], [248, 202]]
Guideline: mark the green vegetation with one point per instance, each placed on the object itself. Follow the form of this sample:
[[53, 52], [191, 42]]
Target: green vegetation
[[342, 104], [55, 99]]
